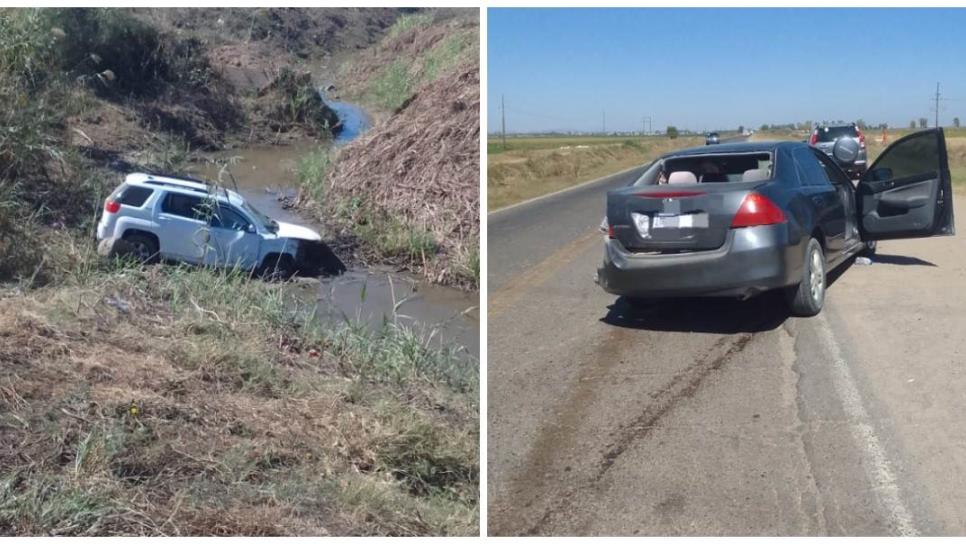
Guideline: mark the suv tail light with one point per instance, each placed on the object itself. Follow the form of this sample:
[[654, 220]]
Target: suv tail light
[[756, 209], [814, 138], [112, 207], [861, 137]]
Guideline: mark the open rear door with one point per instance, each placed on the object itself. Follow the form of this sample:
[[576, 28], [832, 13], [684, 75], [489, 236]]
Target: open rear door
[[907, 192]]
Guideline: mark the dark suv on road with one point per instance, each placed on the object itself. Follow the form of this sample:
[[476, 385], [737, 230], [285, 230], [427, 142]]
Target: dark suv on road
[[712, 138], [845, 144]]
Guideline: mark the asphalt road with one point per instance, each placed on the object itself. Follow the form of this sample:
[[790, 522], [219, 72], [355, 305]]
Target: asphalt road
[[720, 418]]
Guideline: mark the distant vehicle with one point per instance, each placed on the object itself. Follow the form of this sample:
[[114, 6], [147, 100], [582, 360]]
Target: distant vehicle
[[712, 138], [156, 217], [749, 217], [845, 144]]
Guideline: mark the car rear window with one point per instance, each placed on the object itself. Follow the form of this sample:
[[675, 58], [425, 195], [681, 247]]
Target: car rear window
[[830, 134], [134, 196], [721, 168]]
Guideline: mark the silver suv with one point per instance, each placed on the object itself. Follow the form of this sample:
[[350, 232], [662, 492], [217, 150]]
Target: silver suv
[[845, 144], [153, 217]]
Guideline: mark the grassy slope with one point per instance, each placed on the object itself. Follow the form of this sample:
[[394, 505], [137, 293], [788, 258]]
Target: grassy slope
[[532, 166], [407, 190], [252, 417]]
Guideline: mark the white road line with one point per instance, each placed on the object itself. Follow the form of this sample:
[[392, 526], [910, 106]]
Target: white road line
[[880, 471]]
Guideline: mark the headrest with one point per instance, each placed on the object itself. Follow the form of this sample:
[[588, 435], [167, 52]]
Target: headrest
[[759, 174], [681, 176]]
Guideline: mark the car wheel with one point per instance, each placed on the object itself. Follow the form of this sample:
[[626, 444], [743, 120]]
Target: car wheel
[[869, 250], [142, 247], [808, 297], [278, 268]]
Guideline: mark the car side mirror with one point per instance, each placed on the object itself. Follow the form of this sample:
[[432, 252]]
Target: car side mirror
[[882, 174]]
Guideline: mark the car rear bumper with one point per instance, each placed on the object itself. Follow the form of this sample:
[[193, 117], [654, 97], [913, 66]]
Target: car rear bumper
[[752, 260]]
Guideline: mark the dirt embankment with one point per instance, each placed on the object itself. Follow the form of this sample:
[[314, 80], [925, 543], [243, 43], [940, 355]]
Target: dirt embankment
[[248, 78], [419, 164]]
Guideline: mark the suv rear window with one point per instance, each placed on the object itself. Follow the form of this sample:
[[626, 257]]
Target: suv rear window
[[830, 134], [134, 196]]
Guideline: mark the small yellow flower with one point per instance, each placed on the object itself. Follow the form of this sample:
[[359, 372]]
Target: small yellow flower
[[133, 410]]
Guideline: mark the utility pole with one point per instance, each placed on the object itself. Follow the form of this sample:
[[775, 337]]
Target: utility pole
[[937, 104], [503, 121], [603, 121]]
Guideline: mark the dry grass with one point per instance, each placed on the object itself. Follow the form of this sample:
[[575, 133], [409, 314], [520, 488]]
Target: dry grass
[[250, 419], [531, 167]]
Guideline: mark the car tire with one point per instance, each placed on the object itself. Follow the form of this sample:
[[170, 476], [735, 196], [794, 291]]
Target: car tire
[[807, 299], [278, 268], [141, 247]]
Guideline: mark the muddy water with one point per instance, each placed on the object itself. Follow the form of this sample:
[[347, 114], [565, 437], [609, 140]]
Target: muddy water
[[447, 316]]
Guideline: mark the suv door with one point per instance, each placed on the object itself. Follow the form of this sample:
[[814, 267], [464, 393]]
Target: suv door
[[184, 232], [234, 237], [907, 193]]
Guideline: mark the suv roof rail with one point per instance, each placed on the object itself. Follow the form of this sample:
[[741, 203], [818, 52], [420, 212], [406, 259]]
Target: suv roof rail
[[176, 176], [160, 183]]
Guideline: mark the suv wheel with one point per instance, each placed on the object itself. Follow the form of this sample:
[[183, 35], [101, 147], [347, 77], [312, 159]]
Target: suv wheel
[[808, 297], [278, 268], [141, 247]]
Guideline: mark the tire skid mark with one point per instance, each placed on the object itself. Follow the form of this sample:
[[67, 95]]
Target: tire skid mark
[[682, 386], [558, 434]]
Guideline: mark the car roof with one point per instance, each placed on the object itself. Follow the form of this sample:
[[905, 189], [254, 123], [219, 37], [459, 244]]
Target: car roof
[[734, 147], [183, 185]]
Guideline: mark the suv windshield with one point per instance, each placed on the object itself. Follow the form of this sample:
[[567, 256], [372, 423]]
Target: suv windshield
[[830, 134]]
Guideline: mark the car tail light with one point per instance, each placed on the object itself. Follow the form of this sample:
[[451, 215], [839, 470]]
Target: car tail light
[[814, 138], [861, 137], [756, 209], [610, 232], [111, 206]]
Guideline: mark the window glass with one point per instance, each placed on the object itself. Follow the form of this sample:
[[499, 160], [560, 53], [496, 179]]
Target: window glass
[[830, 134], [135, 196], [916, 156], [811, 171], [227, 218], [188, 206]]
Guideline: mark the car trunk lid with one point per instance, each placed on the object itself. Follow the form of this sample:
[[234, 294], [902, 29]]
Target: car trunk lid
[[675, 218]]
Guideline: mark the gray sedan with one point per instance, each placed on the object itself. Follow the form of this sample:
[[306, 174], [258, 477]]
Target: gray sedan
[[740, 219]]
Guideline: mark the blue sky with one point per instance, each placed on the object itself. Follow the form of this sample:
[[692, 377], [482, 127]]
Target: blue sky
[[704, 69]]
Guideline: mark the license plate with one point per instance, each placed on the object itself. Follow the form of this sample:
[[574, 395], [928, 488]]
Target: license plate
[[684, 221]]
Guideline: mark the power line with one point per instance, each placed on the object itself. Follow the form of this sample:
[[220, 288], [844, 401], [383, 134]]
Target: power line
[[937, 104], [503, 120]]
